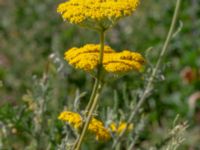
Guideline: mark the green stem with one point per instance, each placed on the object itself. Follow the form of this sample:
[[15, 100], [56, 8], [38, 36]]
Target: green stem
[[95, 86], [95, 94], [153, 74]]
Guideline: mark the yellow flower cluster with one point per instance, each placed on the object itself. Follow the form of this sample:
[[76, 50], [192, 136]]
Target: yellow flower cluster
[[96, 11], [95, 126], [74, 119], [99, 130], [87, 58], [123, 62], [120, 127]]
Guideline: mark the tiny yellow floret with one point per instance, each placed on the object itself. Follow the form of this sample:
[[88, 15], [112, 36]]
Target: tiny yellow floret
[[96, 12]]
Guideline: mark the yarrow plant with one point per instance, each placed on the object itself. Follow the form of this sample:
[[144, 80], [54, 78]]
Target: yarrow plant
[[98, 60]]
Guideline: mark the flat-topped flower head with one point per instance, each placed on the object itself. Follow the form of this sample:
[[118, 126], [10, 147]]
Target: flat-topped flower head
[[87, 59], [96, 14]]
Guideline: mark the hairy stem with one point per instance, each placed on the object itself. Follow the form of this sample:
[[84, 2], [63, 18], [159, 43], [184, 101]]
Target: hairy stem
[[153, 74], [95, 94]]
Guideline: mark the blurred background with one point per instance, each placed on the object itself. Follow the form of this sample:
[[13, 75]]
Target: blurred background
[[33, 39]]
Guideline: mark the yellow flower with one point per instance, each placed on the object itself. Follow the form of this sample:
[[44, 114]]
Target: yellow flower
[[99, 13], [95, 126], [99, 130], [74, 119], [87, 57], [120, 127], [123, 62]]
